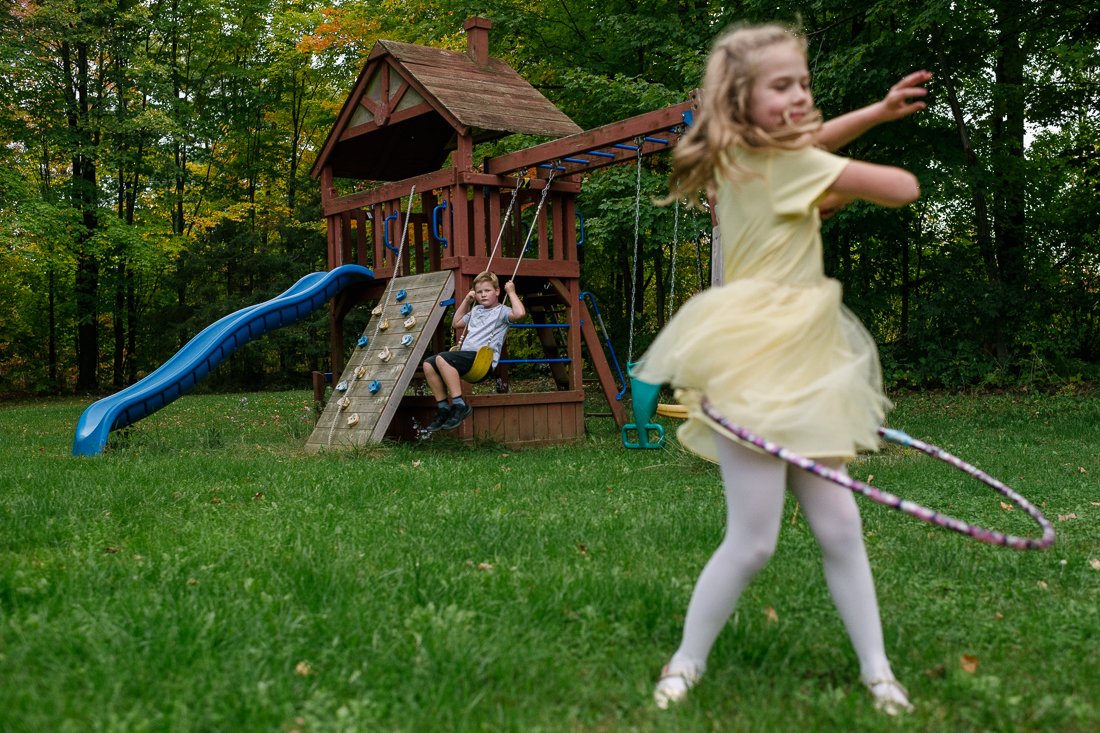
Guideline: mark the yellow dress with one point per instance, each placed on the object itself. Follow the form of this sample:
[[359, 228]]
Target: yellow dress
[[773, 348]]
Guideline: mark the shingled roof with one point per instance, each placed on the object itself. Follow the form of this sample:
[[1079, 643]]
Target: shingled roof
[[410, 104]]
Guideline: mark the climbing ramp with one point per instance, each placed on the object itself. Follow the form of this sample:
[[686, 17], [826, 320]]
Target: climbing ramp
[[381, 367]]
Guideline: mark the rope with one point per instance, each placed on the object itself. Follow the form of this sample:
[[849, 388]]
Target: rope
[[397, 265], [538, 210], [634, 261], [389, 289], [504, 221], [523, 251]]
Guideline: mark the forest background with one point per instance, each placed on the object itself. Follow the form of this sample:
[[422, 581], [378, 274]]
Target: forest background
[[155, 157]]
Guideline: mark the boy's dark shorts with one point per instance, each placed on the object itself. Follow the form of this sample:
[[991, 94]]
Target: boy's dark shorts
[[462, 361]]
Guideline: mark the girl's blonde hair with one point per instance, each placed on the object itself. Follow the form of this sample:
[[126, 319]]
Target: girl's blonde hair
[[702, 155]]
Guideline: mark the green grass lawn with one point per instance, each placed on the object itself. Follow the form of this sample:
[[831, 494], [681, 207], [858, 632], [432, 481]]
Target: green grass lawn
[[205, 574]]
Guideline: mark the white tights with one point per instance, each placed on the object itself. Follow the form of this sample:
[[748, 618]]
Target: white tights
[[754, 502]]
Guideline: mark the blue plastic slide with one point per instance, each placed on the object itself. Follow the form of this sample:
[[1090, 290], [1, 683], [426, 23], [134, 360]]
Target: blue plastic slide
[[205, 351]]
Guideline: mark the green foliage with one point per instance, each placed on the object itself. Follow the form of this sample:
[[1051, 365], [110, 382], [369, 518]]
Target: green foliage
[[201, 120]]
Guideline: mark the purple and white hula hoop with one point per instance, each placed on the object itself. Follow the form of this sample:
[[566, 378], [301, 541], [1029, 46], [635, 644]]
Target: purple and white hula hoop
[[924, 514]]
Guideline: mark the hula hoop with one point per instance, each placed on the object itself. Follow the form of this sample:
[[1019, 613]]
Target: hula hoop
[[913, 509]]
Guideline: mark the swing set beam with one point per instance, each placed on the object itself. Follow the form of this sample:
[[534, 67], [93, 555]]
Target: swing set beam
[[612, 144]]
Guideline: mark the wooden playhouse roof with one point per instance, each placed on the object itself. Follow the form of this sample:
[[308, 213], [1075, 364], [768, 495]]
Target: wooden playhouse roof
[[410, 103]]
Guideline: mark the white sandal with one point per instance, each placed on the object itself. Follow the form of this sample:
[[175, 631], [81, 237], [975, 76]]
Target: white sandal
[[890, 697], [673, 685]]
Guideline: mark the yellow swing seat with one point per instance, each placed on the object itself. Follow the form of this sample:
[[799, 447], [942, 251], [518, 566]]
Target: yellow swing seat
[[483, 362], [676, 411]]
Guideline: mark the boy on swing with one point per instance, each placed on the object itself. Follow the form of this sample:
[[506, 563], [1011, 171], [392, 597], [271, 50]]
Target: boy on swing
[[485, 320]]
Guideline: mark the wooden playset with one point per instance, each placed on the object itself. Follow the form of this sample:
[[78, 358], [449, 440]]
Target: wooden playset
[[429, 222]]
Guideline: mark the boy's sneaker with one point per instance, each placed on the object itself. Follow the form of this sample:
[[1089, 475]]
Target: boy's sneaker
[[440, 418], [458, 414]]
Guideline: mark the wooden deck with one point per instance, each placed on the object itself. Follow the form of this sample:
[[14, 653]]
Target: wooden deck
[[515, 420]]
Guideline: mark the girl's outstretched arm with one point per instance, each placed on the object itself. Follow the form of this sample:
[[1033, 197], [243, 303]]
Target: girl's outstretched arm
[[884, 185], [903, 99]]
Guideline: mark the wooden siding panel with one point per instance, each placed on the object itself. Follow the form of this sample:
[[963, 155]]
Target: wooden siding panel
[[511, 419]]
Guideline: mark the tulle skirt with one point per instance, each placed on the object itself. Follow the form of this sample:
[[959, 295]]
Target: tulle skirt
[[789, 362]]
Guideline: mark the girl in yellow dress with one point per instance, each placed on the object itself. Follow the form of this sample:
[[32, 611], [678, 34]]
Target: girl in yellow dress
[[773, 348]]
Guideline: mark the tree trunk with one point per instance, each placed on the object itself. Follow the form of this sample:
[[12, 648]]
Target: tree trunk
[[51, 358], [86, 285], [132, 326], [119, 326], [1010, 173], [978, 196]]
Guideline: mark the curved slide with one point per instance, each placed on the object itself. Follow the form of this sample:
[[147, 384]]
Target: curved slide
[[205, 351]]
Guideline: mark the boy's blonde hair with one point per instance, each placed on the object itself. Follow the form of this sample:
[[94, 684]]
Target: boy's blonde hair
[[487, 277], [703, 154]]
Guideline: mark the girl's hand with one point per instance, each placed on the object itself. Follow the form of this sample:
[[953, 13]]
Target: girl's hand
[[899, 102]]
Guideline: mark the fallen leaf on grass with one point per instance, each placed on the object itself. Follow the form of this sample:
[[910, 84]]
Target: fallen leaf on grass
[[1082, 469], [1094, 564], [1043, 585], [1006, 506], [416, 463], [111, 550], [303, 669], [969, 663], [870, 478], [1066, 517], [773, 617], [485, 566], [582, 548]]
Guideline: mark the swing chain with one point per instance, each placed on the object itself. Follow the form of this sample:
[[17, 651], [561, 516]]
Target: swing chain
[[534, 223], [634, 261], [675, 246]]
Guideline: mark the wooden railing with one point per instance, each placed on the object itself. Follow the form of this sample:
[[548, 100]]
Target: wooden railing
[[457, 227]]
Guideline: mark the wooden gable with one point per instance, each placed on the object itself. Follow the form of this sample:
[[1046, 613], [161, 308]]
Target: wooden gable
[[410, 104]]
